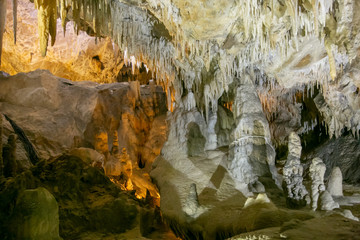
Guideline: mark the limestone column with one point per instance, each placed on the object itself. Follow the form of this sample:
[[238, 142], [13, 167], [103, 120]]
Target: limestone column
[[251, 153]]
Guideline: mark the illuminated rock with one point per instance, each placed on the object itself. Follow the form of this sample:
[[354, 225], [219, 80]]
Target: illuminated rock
[[76, 115]]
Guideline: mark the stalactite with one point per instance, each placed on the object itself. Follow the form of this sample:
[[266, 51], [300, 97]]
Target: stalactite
[[63, 15], [47, 15], [332, 62], [15, 4], [3, 4]]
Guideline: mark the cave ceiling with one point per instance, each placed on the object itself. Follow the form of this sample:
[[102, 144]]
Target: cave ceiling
[[205, 47]]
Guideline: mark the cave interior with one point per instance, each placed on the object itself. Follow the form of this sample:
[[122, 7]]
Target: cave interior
[[179, 119]]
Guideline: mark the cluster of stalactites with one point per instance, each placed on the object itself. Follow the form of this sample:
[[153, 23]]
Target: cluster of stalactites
[[268, 29]]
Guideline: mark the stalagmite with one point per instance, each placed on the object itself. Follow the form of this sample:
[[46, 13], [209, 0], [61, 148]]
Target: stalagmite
[[335, 182], [317, 172], [318, 190], [293, 171], [3, 7], [260, 199]]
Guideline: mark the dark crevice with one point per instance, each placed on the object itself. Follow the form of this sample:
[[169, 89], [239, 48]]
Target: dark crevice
[[141, 164], [29, 148]]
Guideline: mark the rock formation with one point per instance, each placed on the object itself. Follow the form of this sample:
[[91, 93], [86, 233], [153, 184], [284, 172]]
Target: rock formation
[[251, 153], [293, 172], [81, 192], [75, 115]]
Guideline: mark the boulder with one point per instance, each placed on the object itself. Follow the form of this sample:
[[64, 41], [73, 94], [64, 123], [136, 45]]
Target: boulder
[[36, 216]]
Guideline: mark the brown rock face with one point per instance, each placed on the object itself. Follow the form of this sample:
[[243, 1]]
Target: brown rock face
[[58, 115]]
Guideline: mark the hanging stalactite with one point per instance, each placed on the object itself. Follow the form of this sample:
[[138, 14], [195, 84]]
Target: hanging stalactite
[[63, 15], [47, 15], [3, 4], [15, 4]]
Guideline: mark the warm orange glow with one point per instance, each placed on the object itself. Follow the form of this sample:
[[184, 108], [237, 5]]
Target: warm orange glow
[[101, 142], [268, 102], [228, 105], [140, 192]]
